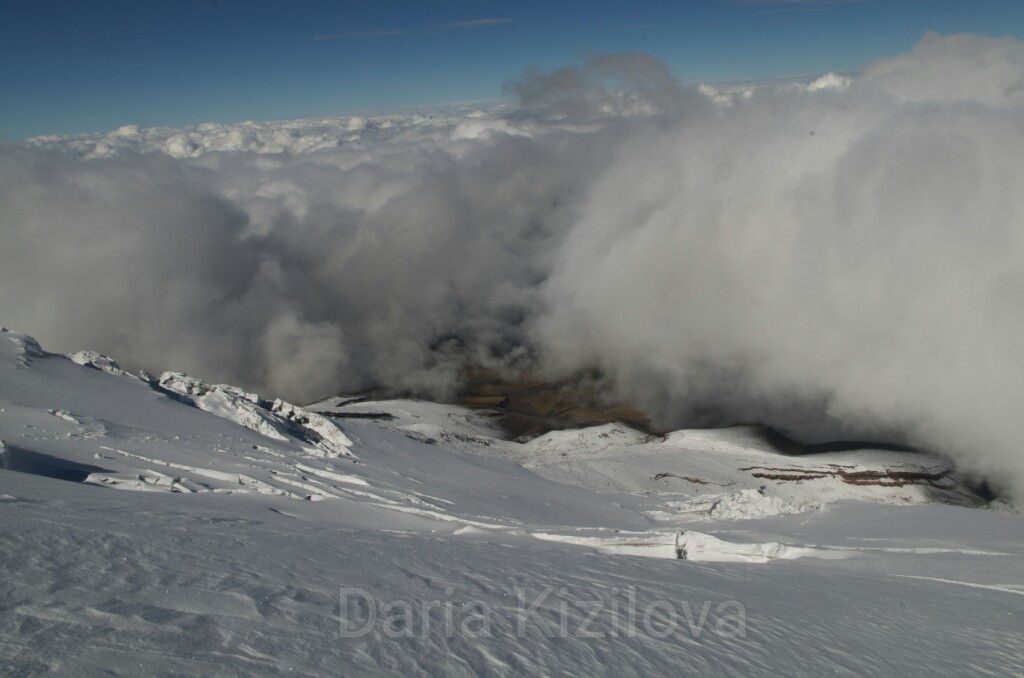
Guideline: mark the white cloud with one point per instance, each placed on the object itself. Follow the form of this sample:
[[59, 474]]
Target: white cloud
[[840, 257], [475, 23]]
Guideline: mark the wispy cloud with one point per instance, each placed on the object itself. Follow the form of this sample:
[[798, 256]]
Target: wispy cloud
[[789, 5], [455, 25], [360, 34], [473, 23]]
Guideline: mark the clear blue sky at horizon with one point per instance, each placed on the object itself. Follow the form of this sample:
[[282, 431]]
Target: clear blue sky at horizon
[[69, 67]]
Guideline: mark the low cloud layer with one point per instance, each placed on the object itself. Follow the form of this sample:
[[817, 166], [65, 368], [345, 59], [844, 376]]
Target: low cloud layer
[[841, 258]]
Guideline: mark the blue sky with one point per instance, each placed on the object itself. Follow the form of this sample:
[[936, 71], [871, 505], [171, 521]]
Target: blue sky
[[68, 67]]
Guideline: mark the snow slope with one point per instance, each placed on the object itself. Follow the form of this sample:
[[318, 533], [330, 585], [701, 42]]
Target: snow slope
[[174, 527]]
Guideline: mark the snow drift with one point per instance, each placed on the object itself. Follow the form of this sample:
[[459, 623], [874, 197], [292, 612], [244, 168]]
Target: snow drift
[[840, 258]]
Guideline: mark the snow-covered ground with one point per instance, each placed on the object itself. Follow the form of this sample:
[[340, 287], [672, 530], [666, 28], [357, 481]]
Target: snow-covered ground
[[165, 526]]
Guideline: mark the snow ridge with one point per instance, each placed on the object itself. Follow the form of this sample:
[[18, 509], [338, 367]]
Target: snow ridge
[[26, 347], [275, 420]]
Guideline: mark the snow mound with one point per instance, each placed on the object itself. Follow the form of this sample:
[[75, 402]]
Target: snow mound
[[98, 361], [26, 348], [149, 481], [225, 401], [744, 440], [592, 439], [420, 420], [644, 544], [275, 420], [698, 546], [689, 545], [743, 504], [331, 438], [424, 432], [65, 415]]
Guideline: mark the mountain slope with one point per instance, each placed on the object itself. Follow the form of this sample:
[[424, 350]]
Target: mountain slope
[[175, 527]]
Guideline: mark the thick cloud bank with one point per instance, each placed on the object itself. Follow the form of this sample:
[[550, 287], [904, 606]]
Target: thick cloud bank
[[843, 257]]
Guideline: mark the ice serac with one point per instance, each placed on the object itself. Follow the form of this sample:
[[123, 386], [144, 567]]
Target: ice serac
[[277, 419], [331, 438], [98, 361], [225, 401]]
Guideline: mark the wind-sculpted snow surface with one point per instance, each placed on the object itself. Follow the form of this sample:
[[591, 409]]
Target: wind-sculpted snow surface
[[838, 258], [148, 527]]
